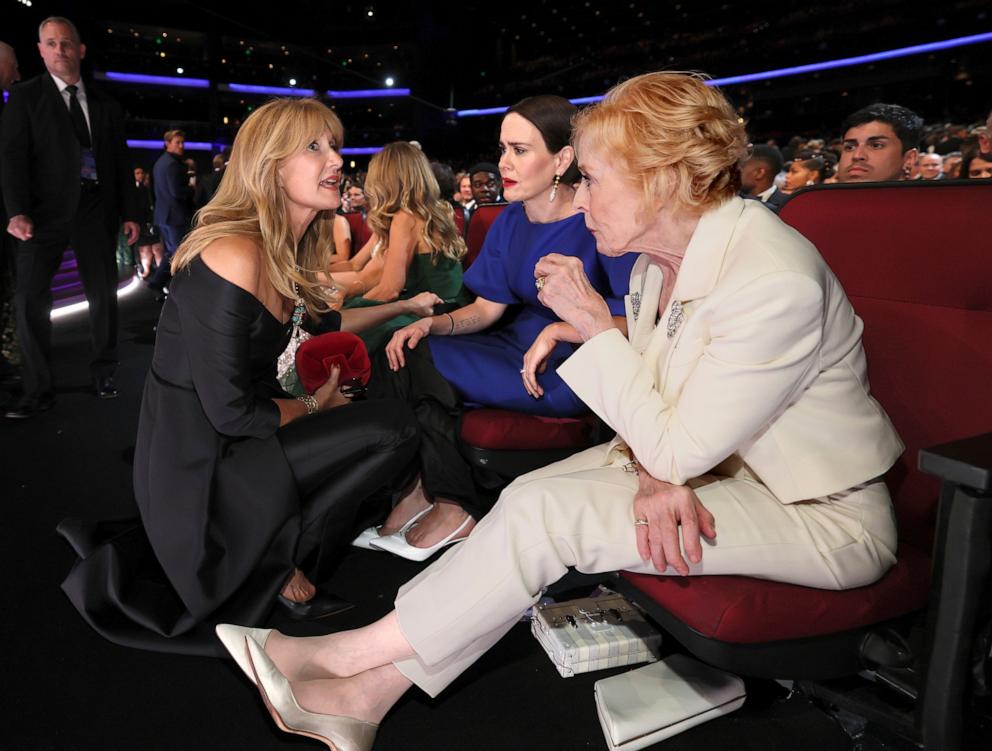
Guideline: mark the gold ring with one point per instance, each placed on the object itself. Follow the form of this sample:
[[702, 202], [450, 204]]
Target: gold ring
[[540, 282]]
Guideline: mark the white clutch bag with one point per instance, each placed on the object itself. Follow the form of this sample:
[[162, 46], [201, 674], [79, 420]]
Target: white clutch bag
[[594, 633], [655, 702]]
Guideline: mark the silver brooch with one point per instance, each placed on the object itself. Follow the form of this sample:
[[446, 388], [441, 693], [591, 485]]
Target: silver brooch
[[674, 319], [635, 304]]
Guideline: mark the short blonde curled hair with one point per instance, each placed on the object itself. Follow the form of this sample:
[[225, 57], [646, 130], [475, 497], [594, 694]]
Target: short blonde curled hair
[[673, 134]]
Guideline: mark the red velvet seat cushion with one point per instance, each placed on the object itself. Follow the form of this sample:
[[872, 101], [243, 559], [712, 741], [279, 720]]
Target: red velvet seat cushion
[[499, 429], [928, 318], [742, 610]]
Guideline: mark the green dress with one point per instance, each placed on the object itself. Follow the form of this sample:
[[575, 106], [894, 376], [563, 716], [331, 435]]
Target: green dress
[[444, 279]]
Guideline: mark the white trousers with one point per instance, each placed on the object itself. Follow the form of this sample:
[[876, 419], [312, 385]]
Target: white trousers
[[579, 512]]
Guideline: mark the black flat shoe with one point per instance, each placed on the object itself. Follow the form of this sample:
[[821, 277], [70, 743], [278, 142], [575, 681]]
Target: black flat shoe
[[320, 605], [29, 406], [106, 388]]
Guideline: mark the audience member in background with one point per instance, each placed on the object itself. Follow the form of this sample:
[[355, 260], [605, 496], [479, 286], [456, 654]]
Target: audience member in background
[[442, 363], [808, 168], [415, 246], [66, 180], [793, 147], [485, 182], [193, 180], [149, 246], [9, 75], [985, 137], [210, 181], [931, 166], [714, 469], [464, 190], [173, 201], [952, 140], [758, 176], [356, 198], [880, 143], [240, 487], [978, 167], [952, 165]]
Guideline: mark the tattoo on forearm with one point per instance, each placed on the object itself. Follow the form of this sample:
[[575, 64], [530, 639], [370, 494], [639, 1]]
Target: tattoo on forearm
[[469, 321]]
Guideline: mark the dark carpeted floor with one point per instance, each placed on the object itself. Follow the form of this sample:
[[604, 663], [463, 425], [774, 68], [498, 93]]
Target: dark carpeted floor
[[65, 688]]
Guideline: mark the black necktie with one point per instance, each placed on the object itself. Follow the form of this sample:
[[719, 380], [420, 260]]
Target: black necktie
[[78, 119]]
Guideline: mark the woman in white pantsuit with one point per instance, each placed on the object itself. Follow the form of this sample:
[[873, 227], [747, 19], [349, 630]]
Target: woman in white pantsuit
[[747, 441]]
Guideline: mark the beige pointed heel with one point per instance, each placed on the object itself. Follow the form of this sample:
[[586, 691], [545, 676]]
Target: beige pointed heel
[[233, 639], [337, 732]]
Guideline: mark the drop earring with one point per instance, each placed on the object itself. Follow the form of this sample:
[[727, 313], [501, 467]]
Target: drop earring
[[554, 189]]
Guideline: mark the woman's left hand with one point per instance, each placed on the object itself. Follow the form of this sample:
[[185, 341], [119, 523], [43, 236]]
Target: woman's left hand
[[566, 290], [666, 507], [536, 359]]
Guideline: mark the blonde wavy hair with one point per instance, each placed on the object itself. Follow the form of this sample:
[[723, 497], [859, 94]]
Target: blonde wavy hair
[[401, 179], [674, 135], [250, 203]]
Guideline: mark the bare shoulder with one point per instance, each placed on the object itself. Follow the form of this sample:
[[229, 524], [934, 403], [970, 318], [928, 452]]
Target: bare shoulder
[[405, 221], [236, 259]]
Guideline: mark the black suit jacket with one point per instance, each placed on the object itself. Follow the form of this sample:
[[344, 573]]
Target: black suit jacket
[[173, 196], [40, 155]]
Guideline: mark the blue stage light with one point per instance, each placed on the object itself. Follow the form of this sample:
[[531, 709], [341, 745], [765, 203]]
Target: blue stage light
[[795, 70]]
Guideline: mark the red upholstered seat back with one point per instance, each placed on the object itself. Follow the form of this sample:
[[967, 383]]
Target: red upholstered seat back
[[459, 215], [360, 232], [916, 263], [482, 219]]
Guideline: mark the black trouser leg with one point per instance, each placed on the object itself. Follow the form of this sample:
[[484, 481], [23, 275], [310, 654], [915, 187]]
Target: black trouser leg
[[94, 244], [438, 408], [37, 261], [340, 458]]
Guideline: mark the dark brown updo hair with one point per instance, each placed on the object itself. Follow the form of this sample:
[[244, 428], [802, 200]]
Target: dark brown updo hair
[[552, 116]]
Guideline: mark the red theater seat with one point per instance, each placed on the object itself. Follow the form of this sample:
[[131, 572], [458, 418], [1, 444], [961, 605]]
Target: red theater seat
[[505, 443], [926, 300], [360, 232], [459, 215], [478, 225]]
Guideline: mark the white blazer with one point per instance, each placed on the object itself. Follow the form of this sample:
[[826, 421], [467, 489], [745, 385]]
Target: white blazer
[[765, 362]]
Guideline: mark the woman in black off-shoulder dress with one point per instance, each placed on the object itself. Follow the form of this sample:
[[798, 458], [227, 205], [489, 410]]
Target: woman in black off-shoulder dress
[[243, 492]]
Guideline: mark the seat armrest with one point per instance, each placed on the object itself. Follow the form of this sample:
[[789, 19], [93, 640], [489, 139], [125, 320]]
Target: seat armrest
[[965, 462]]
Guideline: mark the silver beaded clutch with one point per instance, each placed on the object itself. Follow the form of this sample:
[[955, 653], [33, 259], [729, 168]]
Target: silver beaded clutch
[[594, 633]]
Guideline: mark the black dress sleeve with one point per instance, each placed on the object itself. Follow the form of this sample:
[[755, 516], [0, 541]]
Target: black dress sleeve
[[328, 323], [218, 321]]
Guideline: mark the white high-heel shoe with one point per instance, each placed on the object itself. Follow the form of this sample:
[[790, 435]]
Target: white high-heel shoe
[[366, 536], [397, 544], [233, 639], [338, 732]]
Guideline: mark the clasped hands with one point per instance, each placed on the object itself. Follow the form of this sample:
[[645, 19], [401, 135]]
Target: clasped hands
[[665, 508]]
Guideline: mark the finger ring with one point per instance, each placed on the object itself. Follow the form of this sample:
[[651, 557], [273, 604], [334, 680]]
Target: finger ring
[[540, 282], [640, 522], [522, 371]]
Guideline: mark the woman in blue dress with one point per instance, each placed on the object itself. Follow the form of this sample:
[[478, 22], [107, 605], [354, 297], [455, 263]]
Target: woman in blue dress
[[502, 357]]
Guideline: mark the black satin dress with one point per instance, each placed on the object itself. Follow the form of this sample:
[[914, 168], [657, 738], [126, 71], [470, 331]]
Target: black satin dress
[[230, 502]]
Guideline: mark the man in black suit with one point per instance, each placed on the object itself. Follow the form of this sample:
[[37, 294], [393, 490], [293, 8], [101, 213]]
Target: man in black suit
[[173, 201], [66, 181], [758, 176]]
